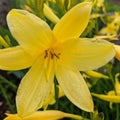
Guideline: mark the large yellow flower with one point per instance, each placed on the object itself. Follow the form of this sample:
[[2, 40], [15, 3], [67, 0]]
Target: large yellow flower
[[58, 52]]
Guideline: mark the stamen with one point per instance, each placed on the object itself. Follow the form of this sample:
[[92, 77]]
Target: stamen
[[51, 53], [57, 55], [46, 54]]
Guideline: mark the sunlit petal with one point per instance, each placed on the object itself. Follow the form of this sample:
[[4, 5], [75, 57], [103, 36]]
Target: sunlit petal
[[51, 115], [34, 88], [12, 117], [75, 88], [74, 22], [14, 58], [117, 83], [109, 98], [86, 54], [95, 74], [117, 49], [30, 31], [44, 115], [51, 97]]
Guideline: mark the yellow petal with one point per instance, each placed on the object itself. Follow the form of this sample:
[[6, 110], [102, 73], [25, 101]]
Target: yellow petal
[[86, 54], [34, 88], [30, 31], [96, 74], [50, 15], [12, 117], [14, 58], [51, 115], [117, 83], [109, 98], [73, 22], [111, 93], [111, 29], [44, 115], [117, 49], [107, 37], [51, 97], [75, 88]]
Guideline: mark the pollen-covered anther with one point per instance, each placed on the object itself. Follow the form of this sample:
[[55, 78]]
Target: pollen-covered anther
[[52, 54]]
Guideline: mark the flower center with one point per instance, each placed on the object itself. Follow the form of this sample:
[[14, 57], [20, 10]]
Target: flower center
[[52, 54]]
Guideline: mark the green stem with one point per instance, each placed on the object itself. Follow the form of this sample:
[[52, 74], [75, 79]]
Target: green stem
[[117, 112], [113, 82], [117, 105], [91, 115], [3, 91], [3, 80], [56, 93]]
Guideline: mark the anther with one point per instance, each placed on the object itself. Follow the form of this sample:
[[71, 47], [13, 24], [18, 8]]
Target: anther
[[51, 53], [57, 55], [46, 53]]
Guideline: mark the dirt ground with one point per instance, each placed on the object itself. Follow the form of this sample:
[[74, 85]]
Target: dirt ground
[[4, 8], [115, 1]]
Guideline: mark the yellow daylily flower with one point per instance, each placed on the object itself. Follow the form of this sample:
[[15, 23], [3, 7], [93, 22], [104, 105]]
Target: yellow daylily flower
[[58, 52], [112, 27], [44, 115], [112, 96]]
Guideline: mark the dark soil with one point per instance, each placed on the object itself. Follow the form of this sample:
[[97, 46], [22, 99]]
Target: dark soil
[[115, 1], [4, 8]]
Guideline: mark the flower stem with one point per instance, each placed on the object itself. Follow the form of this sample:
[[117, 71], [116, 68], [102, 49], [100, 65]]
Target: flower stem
[[117, 105], [56, 93], [4, 80], [6, 97]]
